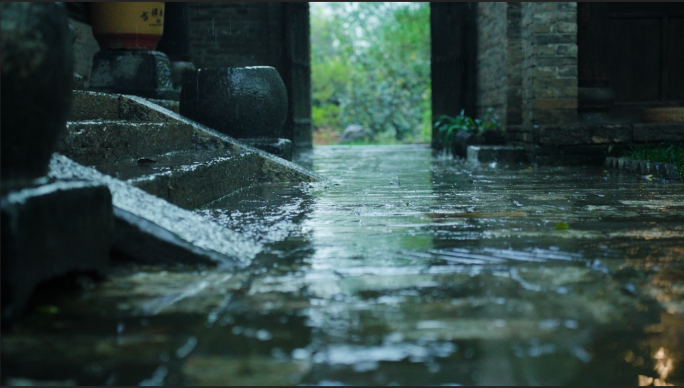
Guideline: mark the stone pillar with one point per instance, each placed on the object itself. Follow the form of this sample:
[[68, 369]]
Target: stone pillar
[[549, 67], [297, 74], [175, 42]]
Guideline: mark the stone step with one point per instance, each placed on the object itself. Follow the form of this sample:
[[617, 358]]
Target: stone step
[[91, 107], [191, 179], [174, 161], [96, 141], [87, 105], [152, 230]]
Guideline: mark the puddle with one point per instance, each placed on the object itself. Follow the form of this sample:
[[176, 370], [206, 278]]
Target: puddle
[[405, 268]]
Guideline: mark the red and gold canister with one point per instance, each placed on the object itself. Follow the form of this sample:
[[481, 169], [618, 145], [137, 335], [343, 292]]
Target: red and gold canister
[[127, 25]]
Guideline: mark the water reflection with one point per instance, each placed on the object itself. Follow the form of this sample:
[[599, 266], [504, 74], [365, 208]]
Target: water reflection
[[404, 269]]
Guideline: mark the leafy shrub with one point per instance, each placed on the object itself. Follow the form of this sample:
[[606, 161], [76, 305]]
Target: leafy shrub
[[447, 126], [370, 65]]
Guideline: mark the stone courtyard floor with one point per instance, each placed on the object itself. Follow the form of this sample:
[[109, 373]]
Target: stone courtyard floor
[[405, 268]]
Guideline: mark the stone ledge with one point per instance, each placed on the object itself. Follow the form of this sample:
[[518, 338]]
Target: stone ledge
[[585, 134], [151, 230], [651, 133], [94, 142], [500, 154], [89, 105], [50, 231], [610, 133]]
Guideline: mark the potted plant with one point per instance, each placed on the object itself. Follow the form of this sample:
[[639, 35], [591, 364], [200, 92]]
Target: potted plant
[[458, 132]]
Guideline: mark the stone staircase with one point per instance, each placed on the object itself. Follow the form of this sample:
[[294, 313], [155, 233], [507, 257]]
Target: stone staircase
[[165, 154], [159, 167]]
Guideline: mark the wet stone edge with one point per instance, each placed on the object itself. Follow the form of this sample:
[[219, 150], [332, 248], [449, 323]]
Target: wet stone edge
[[644, 167]]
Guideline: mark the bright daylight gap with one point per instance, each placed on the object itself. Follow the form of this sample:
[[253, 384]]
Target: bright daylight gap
[[370, 72]]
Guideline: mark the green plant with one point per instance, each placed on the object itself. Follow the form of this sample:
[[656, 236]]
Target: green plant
[[370, 65], [664, 153], [448, 126]]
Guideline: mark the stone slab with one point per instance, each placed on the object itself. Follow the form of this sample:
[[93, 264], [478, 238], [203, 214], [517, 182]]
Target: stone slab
[[52, 230], [500, 154], [93, 142], [192, 179], [151, 230], [87, 105], [585, 134], [133, 108], [650, 133]]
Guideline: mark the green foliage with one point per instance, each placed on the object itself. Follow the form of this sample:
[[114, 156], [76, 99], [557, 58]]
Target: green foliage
[[370, 65], [447, 127], [664, 153]]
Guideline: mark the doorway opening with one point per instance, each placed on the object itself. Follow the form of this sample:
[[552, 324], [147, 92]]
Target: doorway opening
[[370, 73]]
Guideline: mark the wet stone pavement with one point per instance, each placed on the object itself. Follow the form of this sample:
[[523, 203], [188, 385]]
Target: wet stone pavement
[[406, 268]]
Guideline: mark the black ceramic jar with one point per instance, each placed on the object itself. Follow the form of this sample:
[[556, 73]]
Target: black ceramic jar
[[37, 76], [242, 102]]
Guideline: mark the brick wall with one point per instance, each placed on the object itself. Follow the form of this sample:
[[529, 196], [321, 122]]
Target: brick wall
[[499, 66], [492, 41], [549, 65], [232, 34], [514, 59]]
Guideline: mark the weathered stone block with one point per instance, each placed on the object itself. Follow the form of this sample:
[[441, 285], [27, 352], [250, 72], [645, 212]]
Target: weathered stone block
[[500, 154], [580, 134], [672, 172], [568, 71], [659, 132], [87, 105], [555, 60], [138, 72], [151, 230], [554, 117], [93, 142], [564, 103], [541, 39], [558, 83], [52, 230], [567, 27]]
